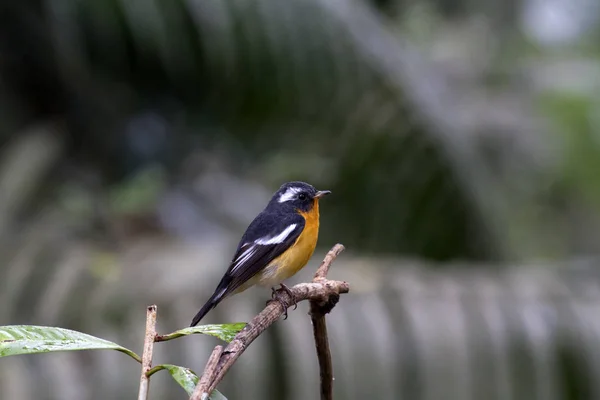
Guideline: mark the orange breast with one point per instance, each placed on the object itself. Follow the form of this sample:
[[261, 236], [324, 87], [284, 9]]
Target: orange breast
[[297, 256]]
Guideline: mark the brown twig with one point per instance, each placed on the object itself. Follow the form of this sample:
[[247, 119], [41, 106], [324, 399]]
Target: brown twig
[[331, 255], [147, 354], [321, 290], [201, 391], [318, 309]]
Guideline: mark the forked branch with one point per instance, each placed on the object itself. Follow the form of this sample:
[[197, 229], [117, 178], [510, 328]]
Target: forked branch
[[318, 309], [322, 293]]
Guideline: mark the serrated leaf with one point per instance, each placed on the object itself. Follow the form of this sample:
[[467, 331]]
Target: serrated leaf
[[188, 380], [31, 339], [225, 332]]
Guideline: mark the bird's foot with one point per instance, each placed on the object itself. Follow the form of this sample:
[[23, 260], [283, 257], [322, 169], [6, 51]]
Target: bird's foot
[[288, 291], [284, 305]]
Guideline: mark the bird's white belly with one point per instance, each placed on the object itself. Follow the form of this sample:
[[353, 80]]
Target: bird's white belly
[[273, 275], [270, 276]]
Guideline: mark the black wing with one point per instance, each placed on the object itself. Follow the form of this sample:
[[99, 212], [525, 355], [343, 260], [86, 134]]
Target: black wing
[[267, 237]]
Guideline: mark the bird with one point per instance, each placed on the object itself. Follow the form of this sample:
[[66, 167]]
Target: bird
[[277, 244]]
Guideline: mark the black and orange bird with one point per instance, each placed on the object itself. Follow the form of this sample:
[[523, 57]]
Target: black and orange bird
[[276, 245]]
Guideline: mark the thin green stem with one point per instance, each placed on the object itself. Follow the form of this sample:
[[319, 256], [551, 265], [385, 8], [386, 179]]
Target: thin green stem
[[131, 354], [168, 336], [154, 370]]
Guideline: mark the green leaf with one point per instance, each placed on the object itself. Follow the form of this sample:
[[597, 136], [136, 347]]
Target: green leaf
[[216, 395], [30, 339], [225, 332], [187, 379]]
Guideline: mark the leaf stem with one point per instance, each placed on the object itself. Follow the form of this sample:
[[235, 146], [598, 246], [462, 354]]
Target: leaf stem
[[168, 336], [154, 370], [131, 354]]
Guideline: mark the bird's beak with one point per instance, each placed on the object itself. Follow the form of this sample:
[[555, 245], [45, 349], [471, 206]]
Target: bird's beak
[[322, 193]]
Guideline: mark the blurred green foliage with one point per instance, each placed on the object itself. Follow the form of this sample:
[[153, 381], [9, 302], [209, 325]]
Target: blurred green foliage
[[575, 116], [292, 83]]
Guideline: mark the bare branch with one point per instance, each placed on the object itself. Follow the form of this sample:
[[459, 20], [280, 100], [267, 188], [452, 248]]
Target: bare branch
[[324, 292], [147, 354], [201, 391], [323, 352], [318, 309], [331, 255]]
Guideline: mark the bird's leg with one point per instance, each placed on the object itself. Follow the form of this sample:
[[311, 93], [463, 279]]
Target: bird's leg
[[277, 298], [288, 291]]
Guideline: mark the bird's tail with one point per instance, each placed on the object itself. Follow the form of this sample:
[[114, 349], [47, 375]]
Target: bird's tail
[[210, 304]]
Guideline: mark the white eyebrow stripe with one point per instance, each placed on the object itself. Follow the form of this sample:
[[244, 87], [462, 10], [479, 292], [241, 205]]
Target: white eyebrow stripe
[[289, 194], [276, 239]]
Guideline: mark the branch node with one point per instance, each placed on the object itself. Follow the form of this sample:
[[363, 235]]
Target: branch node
[[324, 307]]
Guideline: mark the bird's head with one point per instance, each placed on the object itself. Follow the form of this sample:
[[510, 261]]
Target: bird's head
[[298, 195]]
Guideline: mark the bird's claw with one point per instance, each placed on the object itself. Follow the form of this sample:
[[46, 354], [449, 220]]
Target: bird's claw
[[283, 304], [288, 291], [275, 297]]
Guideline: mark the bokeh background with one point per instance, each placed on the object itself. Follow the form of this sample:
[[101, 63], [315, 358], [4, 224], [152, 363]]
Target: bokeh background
[[460, 139]]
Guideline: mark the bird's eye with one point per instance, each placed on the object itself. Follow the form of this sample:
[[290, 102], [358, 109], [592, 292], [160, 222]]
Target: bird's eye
[[302, 196]]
